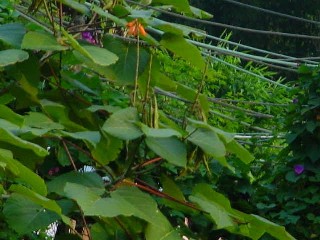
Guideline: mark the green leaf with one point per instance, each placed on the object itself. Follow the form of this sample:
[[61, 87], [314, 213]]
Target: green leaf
[[12, 56], [23, 174], [25, 216], [8, 137], [107, 150], [100, 56], [89, 179], [122, 124], [178, 45], [12, 33], [59, 113], [127, 201], [200, 13], [159, 133], [40, 120], [124, 71], [171, 149], [178, 5], [90, 137], [170, 188], [214, 203], [79, 7], [41, 41], [38, 199], [11, 116], [220, 211], [243, 154], [155, 77], [207, 140]]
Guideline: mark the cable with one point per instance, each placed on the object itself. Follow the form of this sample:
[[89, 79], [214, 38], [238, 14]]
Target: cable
[[283, 34], [285, 57], [273, 12]]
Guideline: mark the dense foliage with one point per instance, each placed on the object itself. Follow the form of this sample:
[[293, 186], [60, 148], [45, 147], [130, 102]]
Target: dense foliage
[[113, 125]]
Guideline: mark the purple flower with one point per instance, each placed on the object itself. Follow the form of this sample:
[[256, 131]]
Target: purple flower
[[295, 100], [88, 37], [298, 169]]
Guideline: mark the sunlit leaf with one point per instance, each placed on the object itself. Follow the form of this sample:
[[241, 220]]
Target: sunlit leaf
[[178, 5], [41, 41]]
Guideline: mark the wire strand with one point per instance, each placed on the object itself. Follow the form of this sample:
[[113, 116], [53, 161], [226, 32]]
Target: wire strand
[[223, 25], [272, 12]]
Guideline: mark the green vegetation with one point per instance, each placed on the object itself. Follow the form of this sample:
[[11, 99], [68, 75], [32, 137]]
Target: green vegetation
[[116, 124]]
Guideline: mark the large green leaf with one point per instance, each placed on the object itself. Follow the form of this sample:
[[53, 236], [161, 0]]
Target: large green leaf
[[100, 56], [12, 56], [90, 137], [59, 113], [221, 212], [40, 120], [12, 33], [159, 132], [76, 5], [122, 124], [243, 154], [127, 201], [124, 71], [107, 149], [207, 140], [178, 5], [39, 199], [89, 179], [171, 149], [155, 77], [23, 174], [25, 216], [179, 46], [41, 41], [11, 116], [215, 204], [8, 137]]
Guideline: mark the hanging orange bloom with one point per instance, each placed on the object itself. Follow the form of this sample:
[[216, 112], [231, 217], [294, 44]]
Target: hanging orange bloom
[[135, 28]]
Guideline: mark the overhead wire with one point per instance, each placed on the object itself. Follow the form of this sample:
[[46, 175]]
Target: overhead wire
[[223, 25], [272, 12]]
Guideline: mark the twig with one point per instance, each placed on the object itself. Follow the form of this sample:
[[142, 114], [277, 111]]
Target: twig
[[69, 155], [137, 71]]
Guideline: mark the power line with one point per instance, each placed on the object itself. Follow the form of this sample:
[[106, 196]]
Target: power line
[[272, 12], [222, 25]]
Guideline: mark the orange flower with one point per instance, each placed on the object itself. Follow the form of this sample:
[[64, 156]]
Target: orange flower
[[135, 28]]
